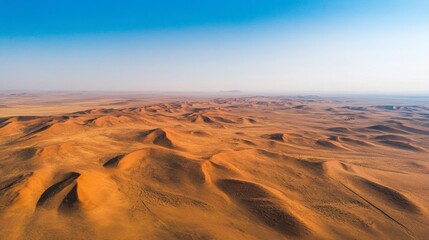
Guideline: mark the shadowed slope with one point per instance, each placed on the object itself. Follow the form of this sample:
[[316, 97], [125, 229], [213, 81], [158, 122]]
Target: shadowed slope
[[156, 136], [263, 204], [56, 188]]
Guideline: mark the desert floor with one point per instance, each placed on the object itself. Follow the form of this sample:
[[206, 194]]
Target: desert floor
[[88, 166]]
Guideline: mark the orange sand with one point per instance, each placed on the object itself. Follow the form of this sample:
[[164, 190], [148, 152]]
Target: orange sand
[[220, 168]]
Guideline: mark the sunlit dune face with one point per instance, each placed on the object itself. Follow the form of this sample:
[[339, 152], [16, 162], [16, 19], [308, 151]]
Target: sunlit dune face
[[224, 168]]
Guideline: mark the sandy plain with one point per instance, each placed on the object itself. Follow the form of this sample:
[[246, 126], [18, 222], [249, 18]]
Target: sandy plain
[[99, 166]]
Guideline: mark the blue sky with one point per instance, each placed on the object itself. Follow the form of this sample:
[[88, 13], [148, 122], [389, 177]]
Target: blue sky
[[375, 46]]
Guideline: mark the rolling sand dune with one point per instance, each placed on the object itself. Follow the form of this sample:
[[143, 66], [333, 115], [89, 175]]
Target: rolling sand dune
[[213, 168]]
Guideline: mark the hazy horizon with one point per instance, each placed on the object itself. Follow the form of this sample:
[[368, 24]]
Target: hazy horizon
[[230, 92]]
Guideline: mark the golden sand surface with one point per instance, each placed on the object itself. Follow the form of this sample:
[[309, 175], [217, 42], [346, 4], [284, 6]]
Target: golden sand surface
[[85, 166]]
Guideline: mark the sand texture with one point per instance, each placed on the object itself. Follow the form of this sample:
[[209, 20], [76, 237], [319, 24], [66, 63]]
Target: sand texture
[[214, 168]]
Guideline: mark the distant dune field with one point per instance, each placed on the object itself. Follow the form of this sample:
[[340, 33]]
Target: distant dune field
[[212, 168]]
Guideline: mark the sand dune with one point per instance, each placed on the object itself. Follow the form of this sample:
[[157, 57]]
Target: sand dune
[[264, 206], [327, 144], [393, 138], [400, 145], [276, 136], [354, 141], [214, 168], [387, 129]]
